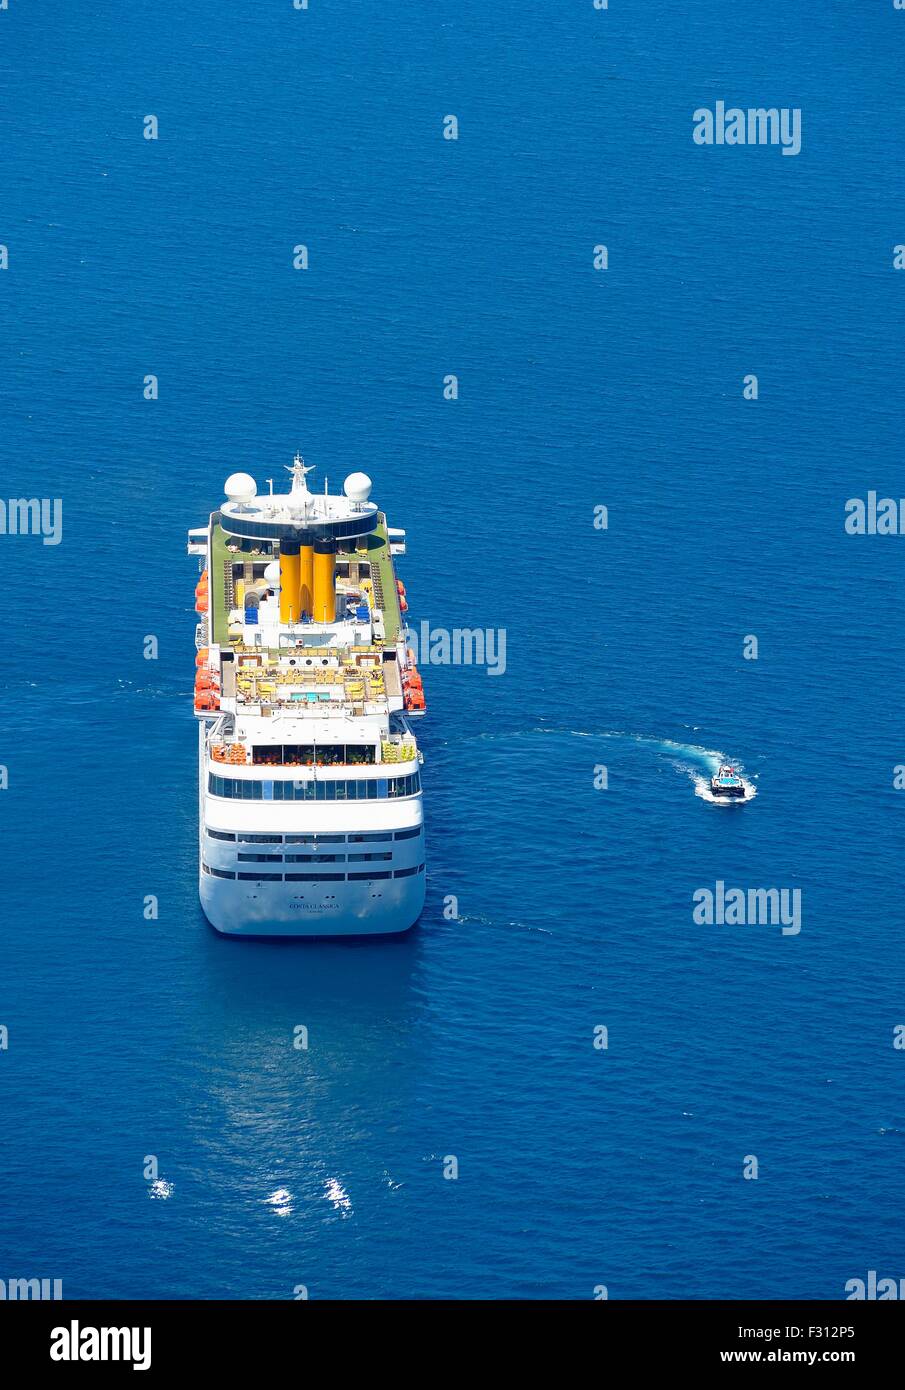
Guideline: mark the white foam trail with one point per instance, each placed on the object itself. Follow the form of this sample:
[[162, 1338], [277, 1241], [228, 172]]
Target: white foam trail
[[709, 761], [696, 761], [700, 764], [705, 757], [492, 922]]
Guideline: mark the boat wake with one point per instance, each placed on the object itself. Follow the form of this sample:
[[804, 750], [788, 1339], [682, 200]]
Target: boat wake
[[700, 764], [697, 763]]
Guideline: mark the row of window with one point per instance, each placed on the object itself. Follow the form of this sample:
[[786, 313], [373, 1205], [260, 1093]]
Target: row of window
[[315, 838], [311, 858], [374, 789], [309, 755], [259, 877]]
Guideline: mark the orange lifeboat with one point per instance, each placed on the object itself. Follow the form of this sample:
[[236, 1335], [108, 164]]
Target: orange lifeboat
[[413, 681], [414, 699], [403, 604], [206, 700], [228, 753], [400, 587], [201, 657], [201, 593], [206, 680]]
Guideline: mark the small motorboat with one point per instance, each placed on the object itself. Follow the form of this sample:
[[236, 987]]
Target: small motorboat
[[727, 784]]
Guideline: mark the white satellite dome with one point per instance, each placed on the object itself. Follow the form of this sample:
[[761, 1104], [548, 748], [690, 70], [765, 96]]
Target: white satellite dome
[[357, 487], [240, 487], [272, 574]]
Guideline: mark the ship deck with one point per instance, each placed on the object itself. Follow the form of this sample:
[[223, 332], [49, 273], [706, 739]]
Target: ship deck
[[374, 550], [338, 681]]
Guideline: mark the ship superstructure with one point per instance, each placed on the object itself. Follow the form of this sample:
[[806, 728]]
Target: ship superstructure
[[310, 811]]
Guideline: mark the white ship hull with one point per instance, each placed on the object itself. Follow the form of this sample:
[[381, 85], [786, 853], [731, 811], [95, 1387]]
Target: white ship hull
[[342, 894], [273, 909]]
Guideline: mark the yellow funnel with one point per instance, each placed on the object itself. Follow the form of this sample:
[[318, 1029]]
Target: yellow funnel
[[289, 583], [306, 579], [324, 607]]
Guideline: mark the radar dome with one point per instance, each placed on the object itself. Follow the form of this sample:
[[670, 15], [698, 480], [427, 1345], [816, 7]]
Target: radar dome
[[272, 574], [357, 487], [240, 487]]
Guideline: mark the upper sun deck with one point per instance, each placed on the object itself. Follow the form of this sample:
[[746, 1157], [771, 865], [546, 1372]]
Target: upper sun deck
[[313, 682]]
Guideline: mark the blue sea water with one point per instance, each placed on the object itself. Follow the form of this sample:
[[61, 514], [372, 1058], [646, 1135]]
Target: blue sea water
[[474, 1036]]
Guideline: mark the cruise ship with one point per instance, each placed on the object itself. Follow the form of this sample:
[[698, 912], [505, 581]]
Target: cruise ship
[[310, 811]]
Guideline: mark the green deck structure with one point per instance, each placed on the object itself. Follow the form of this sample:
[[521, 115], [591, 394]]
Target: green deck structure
[[383, 578], [220, 569]]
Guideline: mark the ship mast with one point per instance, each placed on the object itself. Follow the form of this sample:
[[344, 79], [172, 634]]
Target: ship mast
[[298, 468], [299, 495]]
